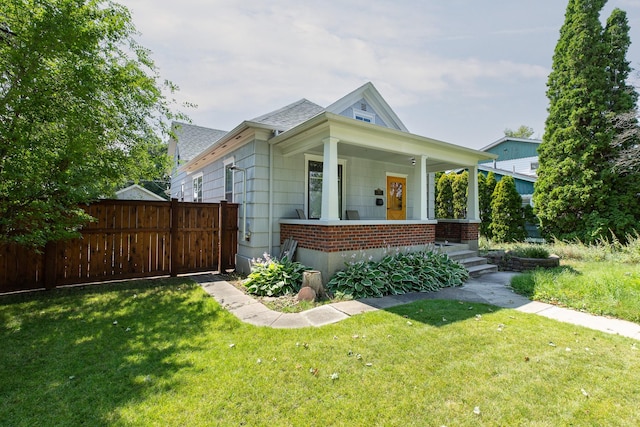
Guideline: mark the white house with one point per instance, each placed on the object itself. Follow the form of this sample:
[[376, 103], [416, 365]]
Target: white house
[[381, 195]]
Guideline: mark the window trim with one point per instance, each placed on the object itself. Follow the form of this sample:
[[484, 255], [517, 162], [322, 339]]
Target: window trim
[[316, 158], [226, 164], [198, 176], [370, 117]]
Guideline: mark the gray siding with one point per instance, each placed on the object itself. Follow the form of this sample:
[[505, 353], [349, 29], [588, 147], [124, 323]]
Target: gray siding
[[368, 109]]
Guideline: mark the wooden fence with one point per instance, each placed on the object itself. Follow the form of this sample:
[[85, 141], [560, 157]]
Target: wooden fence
[[129, 239]]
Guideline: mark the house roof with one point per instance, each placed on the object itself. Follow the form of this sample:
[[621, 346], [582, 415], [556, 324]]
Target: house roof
[[508, 138], [149, 195], [290, 115], [369, 93], [289, 122], [521, 176], [193, 139]]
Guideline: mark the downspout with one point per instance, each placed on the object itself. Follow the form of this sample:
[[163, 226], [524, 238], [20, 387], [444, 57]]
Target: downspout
[[270, 234]]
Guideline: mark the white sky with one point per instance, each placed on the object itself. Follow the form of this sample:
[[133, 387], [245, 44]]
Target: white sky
[[456, 70]]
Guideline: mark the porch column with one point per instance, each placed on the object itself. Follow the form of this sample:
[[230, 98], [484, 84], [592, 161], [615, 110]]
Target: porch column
[[330, 204], [431, 196], [420, 185], [473, 204]]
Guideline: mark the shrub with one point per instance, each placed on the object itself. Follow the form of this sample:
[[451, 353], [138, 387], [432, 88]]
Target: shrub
[[274, 277], [539, 252], [506, 211], [397, 274]]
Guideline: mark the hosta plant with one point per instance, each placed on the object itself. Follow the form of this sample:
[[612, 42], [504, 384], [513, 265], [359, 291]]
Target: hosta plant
[[274, 277], [398, 273]]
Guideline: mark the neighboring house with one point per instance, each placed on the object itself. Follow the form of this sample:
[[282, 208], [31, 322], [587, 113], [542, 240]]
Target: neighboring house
[[136, 192], [381, 195], [517, 157]]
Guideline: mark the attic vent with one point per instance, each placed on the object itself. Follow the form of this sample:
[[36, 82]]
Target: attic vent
[[363, 106]]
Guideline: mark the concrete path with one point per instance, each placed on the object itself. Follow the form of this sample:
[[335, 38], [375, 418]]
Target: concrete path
[[492, 288]]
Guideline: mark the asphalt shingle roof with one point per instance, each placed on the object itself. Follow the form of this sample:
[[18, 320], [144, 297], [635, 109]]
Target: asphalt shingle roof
[[291, 115], [193, 139]]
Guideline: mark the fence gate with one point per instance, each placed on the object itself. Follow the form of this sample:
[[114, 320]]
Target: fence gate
[[129, 239]]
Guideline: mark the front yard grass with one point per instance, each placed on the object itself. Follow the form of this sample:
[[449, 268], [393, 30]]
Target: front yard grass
[[606, 288], [162, 352]]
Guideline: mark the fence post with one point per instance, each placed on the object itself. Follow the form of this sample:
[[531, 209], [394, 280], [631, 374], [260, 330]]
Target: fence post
[[50, 265], [173, 242]]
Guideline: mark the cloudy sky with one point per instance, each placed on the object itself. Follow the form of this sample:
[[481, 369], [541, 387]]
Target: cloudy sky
[[456, 70]]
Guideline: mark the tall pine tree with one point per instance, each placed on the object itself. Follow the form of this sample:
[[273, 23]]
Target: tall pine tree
[[577, 194]]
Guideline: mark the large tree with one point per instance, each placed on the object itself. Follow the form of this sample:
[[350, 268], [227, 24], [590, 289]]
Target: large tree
[[578, 195], [81, 111]]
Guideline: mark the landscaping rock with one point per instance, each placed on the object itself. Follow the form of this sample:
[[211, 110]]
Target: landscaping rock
[[306, 294]]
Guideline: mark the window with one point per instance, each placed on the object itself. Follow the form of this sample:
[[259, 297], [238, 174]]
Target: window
[[197, 188], [364, 116], [228, 183], [314, 188]]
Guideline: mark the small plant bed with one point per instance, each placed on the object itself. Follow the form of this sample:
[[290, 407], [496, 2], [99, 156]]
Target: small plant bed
[[275, 282], [398, 273], [523, 258]]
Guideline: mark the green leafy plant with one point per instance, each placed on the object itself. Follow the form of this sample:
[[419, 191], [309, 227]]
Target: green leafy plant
[[398, 273], [274, 277], [538, 252]]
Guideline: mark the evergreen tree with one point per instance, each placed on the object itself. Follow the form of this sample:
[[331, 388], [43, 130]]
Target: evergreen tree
[[459, 186], [577, 194], [444, 198], [486, 186], [507, 223]]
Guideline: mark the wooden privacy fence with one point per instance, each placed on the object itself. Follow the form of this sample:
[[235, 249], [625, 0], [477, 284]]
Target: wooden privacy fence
[[129, 239]]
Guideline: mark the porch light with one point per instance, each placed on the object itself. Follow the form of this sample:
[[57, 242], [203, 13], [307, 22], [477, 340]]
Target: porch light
[[245, 236]]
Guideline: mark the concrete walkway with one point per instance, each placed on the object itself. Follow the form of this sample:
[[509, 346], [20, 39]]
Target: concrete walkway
[[492, 288]]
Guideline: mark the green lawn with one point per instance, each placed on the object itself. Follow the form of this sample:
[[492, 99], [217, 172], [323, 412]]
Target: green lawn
[[164, 353], [604, 288]]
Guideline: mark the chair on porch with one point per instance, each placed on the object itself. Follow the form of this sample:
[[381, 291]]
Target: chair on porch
[[352, 214]]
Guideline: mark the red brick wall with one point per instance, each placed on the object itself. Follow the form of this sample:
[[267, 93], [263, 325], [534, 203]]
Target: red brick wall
[[334, 238], [449, 231], [469, 231], [457, 231]]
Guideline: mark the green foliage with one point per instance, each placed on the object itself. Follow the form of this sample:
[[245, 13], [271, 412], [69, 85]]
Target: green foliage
[[578, 195], [274, 277], [460, 186], [531, 251], [81, 109], [398, 273], [522, 132], [506, 210], [603, 288], [486, 187], [451, 195], [444, 196]]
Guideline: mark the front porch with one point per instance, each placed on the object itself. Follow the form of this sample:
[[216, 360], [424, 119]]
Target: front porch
[[327, 245]]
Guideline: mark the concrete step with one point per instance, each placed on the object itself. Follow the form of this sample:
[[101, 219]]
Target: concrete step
[[472, 261], [459, 255], [479, 270]]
